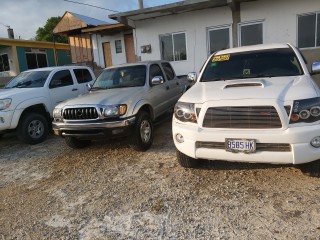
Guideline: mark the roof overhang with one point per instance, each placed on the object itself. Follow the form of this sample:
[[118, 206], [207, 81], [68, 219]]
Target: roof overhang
[[107, 29], [171, 9]]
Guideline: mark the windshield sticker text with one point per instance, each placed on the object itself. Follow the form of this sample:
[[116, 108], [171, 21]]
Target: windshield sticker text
[[221, 58]]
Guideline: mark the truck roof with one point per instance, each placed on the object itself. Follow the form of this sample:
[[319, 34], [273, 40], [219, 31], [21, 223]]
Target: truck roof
[[55, 68], [253, 48]]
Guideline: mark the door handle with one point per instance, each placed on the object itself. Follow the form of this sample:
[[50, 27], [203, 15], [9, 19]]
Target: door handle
[[74, 89]]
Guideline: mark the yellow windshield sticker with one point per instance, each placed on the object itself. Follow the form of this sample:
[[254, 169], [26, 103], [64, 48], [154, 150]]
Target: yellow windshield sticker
[[221, 58], [122, 74]]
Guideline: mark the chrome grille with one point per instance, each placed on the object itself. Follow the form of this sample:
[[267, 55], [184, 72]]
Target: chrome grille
[[261, 117], [80, 113], [267, 147]]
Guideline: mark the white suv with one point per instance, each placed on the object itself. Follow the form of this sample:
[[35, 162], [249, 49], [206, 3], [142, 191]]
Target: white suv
[[251, 104]]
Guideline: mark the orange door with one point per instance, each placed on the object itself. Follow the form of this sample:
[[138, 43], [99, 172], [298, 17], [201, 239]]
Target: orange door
[[128, 42], [107, 54]]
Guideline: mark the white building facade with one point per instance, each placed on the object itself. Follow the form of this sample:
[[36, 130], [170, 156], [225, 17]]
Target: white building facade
[[185, 33]]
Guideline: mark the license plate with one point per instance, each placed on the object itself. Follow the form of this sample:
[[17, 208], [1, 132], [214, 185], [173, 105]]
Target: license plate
[[240, 145]]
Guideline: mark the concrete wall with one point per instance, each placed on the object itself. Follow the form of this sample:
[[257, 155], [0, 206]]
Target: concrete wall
[[97, 42], [194, 24], [279, 24], [280, 17]]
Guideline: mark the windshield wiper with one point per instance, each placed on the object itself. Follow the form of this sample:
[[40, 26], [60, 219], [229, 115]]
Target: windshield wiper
[[263, 75], [23, 84]]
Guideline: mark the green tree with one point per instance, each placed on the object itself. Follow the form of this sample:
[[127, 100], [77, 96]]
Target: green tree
[[45, 33]]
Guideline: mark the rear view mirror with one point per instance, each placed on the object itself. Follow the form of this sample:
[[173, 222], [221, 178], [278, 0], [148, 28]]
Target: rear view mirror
[[157, 80], [315, 68], [192, 76]]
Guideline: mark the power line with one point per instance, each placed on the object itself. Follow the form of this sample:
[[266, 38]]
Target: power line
[[7, 26], [91, 6]]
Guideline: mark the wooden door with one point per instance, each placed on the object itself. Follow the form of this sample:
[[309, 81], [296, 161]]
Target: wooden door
[[107, 54], [129, 46]]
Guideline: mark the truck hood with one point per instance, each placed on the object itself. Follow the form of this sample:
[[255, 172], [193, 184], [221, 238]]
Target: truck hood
[[281, 88], [22, 92], [104, 97]]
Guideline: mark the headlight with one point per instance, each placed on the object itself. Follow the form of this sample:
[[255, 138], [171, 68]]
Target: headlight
[[57, 113], [5, 103], [185, 112], [306, 110], [115, 110]]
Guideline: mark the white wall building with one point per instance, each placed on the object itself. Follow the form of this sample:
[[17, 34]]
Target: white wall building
[[185, 33]]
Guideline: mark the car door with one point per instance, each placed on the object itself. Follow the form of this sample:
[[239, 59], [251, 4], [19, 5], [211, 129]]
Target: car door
[[83, 77], [62, 87], [175, 89], [159, 94]]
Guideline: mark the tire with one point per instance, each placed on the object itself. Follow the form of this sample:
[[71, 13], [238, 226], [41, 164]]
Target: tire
[[33, 128], [76, 143], [311, 169], [142, 136], [186, 161]]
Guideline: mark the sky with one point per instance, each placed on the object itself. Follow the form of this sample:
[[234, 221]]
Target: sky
[[26, 16]]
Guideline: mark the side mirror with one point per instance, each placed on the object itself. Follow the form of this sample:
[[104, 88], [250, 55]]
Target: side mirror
[[157, 80], [315, 68], [89, 86], [192, 77]]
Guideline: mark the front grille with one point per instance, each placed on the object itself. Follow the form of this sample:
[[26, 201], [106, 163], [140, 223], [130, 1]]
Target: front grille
[[262, 147], [80, 113], [261, 117]]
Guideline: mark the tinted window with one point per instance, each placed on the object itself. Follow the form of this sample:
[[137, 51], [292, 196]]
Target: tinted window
[[252, 64], [82, 75], [168, 71], [155, 70], [133, 76], [61, 79], [29, 80], [251, 34], [219, 39]]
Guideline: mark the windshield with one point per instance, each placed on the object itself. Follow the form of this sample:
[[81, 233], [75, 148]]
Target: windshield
[[33, 79], [252, 64], [132, 76]]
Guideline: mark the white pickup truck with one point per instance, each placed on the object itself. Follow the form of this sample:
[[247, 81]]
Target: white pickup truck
[[27, 101], [251, 104]]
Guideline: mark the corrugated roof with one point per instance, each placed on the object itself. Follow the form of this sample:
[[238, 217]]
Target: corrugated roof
[[93, 21]]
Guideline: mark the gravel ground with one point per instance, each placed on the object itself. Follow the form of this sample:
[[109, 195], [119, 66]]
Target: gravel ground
[[109, 191]]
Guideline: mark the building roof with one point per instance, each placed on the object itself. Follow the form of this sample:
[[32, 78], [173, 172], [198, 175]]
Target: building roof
[[173, 8], [74, 23], [93, 21], [4, 42]]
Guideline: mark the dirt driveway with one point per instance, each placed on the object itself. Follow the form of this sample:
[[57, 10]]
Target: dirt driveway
[[109, 191]]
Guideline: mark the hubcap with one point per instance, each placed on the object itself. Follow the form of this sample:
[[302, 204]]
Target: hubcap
[[145, 131], [35, 129]]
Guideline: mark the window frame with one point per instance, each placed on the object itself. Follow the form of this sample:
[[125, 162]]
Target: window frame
[[2, 54], [261, 21], [118, 48], [52, 86], [172, 41], [214, 28], [317, 13], [36, 51]]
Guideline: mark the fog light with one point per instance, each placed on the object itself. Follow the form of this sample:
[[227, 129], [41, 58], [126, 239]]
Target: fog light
[[315, 142], [179, 138]]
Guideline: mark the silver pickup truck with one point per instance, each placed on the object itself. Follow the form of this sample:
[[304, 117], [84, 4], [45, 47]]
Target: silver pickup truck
[[124, 100]]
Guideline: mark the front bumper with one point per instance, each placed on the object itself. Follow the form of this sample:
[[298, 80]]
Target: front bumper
[[297, 137], [92, 129], [5, 120]]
